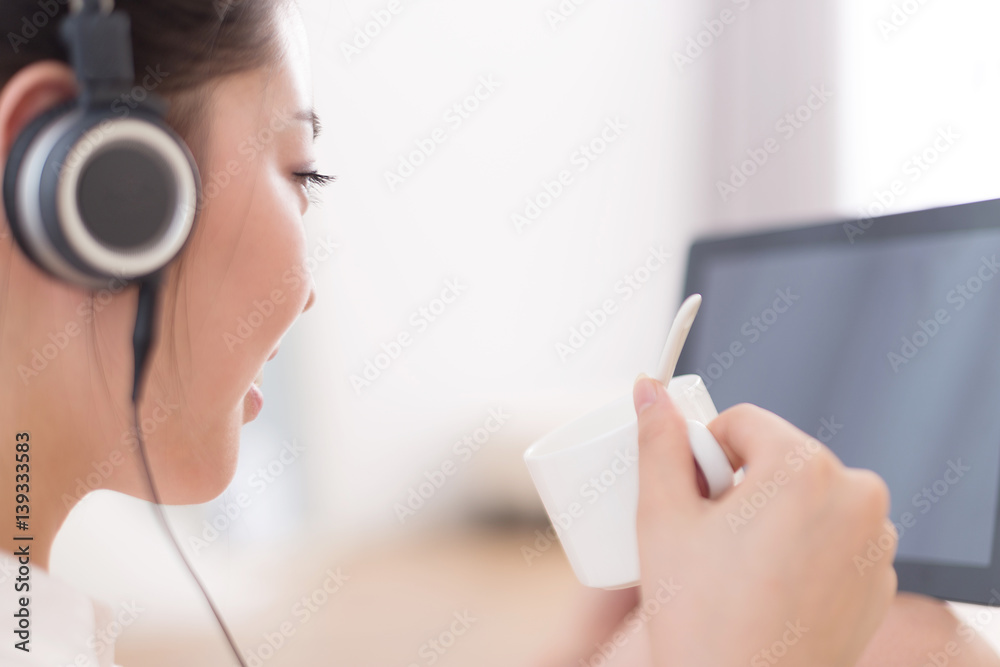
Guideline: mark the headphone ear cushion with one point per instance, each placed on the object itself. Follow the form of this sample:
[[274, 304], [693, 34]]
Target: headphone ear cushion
[[12, 171]]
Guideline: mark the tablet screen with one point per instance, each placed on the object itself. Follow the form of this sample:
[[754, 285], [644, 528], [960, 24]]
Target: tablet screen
[[887, 351]]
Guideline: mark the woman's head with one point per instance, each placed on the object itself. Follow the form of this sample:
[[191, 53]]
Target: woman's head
[[237, 77]]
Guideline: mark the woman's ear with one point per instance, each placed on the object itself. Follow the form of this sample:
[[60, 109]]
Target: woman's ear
[[33, 90]]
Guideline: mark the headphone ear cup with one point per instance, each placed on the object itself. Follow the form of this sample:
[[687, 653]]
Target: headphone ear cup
[[13, 172], [96, 196]]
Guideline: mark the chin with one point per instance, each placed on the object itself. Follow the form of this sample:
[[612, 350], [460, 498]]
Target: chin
[[201, 468]]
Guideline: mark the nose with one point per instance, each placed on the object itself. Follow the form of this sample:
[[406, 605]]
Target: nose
[[312, 297]]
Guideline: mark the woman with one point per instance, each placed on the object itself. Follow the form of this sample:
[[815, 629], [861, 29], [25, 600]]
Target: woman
[[237, 76], [238, 79]]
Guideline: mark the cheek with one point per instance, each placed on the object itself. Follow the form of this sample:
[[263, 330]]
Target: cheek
[[246, 284]]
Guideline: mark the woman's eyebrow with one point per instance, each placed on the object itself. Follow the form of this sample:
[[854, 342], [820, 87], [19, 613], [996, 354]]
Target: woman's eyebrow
[[309, 116]]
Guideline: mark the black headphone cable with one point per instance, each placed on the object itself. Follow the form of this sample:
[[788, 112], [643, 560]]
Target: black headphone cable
[[142, 342]]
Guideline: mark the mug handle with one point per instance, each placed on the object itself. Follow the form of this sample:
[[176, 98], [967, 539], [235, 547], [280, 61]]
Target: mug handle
[[711, 459]]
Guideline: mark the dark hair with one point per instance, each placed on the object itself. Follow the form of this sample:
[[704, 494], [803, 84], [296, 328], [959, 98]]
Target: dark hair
[[193, 41]]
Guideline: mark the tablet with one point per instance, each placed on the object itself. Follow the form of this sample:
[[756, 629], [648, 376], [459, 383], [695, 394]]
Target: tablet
[[880, 337]]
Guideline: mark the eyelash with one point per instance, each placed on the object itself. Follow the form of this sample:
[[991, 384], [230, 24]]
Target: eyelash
[[314, 182]]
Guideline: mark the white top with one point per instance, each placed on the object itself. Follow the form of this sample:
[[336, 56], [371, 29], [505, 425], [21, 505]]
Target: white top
[[64, 623]]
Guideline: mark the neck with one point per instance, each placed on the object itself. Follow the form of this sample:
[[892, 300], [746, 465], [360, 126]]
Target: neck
[[55, 445], [65, 360], [37, 495]]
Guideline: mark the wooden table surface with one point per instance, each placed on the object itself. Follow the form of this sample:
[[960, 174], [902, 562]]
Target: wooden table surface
[[459, 598], [447, 599]]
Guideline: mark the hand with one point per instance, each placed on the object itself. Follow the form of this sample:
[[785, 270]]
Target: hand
[[776, 568]]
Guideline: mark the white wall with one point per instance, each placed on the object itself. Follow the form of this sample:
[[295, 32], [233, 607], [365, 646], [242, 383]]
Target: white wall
[[495, 346], [773, 59], [940, 68], [689, 123]]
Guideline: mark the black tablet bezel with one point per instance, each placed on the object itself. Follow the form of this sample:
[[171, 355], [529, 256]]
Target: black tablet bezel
[[979, 585]]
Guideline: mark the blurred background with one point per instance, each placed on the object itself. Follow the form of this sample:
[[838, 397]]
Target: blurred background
[[471, 249]]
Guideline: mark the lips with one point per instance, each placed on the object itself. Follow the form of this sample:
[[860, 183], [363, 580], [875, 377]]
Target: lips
[[253, 401]]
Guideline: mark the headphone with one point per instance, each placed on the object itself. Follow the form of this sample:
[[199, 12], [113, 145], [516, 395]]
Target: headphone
[[100, 188]]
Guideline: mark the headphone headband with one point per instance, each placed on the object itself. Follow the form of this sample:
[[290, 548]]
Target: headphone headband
[[98, 40]]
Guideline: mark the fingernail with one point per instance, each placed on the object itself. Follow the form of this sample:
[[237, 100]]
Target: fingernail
[[644, 393]]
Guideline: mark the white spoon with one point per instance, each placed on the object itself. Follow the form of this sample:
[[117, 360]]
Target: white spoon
[[717, 471], [675, 339]]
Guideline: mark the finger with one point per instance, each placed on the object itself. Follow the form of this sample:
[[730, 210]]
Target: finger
[[871, 489], [666, 465], [872, 497], [760, 440]]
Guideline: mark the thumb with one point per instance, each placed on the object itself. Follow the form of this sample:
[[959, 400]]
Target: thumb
[[667, 478]]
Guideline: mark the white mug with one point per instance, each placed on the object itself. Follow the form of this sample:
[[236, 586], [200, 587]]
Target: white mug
[[587, 475]]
